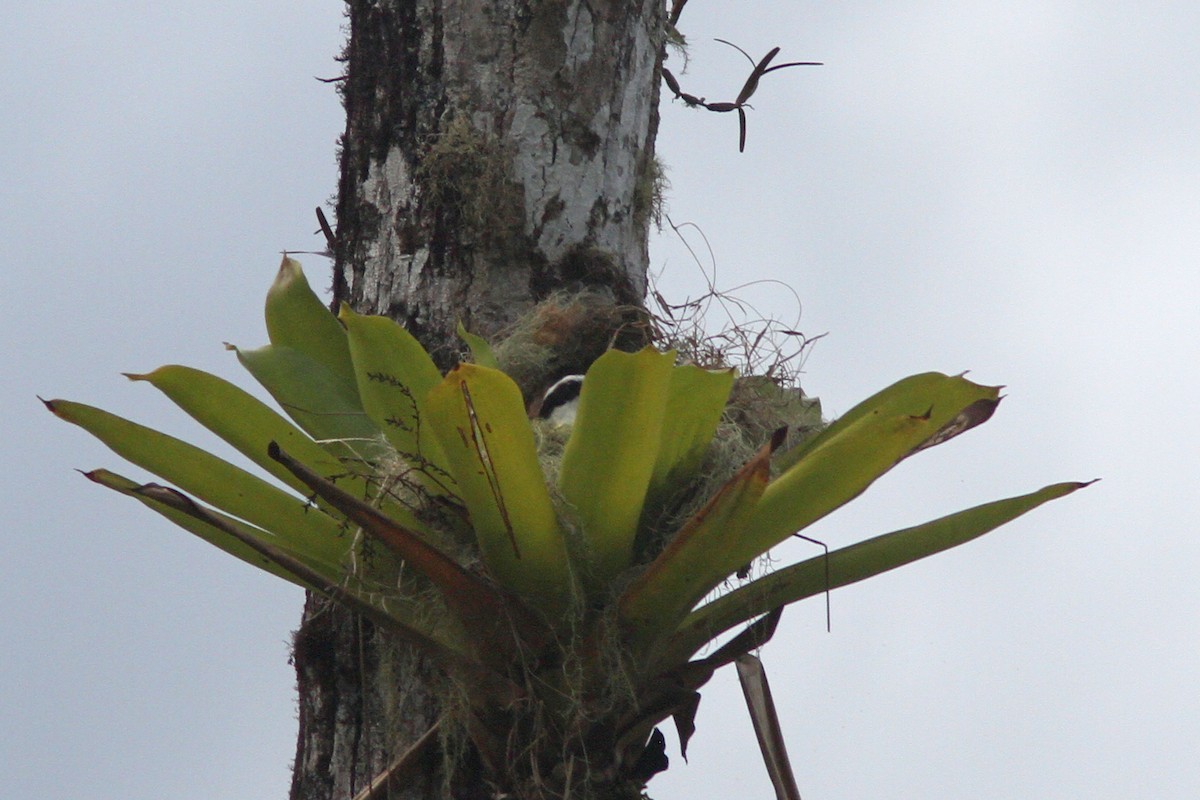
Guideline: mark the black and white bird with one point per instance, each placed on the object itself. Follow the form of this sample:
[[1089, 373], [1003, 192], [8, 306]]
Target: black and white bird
[[561, 401]]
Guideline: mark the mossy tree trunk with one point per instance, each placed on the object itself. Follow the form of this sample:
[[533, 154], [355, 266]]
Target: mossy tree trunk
[[495, 151]]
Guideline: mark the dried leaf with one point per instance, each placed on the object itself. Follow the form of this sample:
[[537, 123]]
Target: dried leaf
[[766, 726]]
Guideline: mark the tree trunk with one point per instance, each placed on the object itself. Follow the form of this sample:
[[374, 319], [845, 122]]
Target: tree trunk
[[496, 151]]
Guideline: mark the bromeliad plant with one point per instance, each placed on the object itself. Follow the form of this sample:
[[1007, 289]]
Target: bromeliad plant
[[419, 500]]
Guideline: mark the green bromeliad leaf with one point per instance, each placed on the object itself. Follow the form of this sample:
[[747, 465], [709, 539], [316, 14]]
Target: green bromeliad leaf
[[275, 554], [481, 351], [610, 458], [324, 404], [906, 396], [242, 420], [695, 402], [214, 536], [395, 375], [395, 459], [477, 603], [479, 418], [744, 520], [249, 425], [297, 318], [214, 481], [691, 565], [844, 459], [849, 565]]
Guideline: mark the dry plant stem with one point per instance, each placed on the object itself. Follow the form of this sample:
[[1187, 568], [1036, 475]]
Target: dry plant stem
[[184, 504], [761, 706], [402, 768], [482, 607]]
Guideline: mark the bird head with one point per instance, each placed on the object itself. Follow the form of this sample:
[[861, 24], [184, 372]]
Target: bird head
[[561, 401]]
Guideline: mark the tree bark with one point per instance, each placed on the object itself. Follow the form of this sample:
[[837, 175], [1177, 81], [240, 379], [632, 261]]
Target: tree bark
[[495, 151]]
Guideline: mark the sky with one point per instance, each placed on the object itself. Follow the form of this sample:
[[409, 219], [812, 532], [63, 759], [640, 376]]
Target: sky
[[1007, 188]]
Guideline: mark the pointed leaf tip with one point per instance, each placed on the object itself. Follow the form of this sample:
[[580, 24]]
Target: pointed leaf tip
[[975, 414], [852, 564], [832, 468], [481, 351], [297, 318]]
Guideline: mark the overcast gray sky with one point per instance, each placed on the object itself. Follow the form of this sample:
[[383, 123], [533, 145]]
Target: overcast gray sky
[[1010, 188]]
